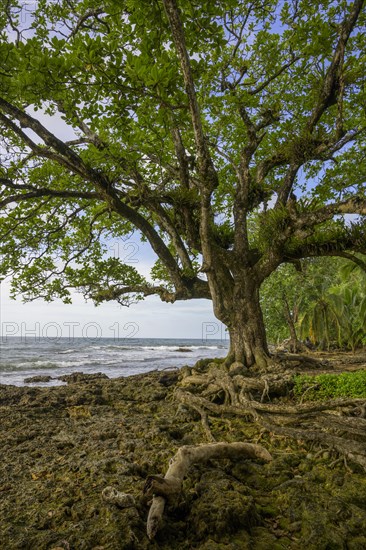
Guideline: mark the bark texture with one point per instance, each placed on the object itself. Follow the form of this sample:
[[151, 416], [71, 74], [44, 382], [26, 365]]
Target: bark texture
[[236, 303]]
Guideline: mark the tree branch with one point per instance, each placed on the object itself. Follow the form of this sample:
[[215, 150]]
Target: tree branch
[[205, 163], [92, 137], [67, 157], [84, 18], [264, 167], [270, 79], [354, 259], [338, 246], [354, 205], [172, 231], [330, 87], [286, 187], [35, 192], [199, 290]]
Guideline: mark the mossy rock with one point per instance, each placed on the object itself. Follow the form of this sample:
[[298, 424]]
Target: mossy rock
[[357, 543], [222, 507], [203, 364], [241, 542], [262, 539], [58, 462]]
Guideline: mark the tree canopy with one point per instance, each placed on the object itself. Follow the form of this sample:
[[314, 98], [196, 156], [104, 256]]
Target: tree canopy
[[230, 135]]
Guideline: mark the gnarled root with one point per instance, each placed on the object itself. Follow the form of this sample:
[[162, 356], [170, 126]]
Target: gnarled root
[[331, 423], [169, 487]]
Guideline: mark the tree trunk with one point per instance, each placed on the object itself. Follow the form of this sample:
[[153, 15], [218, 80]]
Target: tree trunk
[[248, 342], [295, 344], [240, 311]]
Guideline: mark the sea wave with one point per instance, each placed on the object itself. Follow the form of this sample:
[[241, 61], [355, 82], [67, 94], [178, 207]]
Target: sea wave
[[20, 360], [41, 365], [155, 348]]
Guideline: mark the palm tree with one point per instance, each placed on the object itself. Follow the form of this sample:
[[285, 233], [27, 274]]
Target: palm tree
[[335, 312]]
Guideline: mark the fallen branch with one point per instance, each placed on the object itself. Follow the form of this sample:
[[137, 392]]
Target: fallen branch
[[168, 488]]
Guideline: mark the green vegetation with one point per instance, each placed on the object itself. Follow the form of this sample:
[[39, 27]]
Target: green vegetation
[[329, 386], [325, 299]]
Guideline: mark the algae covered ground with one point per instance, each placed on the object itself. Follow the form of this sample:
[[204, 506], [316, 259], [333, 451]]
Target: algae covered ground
[[61, 446]]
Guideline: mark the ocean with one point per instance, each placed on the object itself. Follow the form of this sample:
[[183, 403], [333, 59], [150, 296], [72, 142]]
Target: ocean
[[22, 358]]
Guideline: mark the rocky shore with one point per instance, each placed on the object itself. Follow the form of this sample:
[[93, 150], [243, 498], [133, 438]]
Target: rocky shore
[[62, 446]]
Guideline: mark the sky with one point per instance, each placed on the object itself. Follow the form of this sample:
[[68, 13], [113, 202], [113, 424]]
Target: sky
[[148, 319]]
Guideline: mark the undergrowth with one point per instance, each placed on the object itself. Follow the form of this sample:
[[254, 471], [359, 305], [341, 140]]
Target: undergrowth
[[328, 386]]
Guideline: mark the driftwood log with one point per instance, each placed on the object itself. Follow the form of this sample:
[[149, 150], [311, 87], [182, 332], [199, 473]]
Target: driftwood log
[[168, 488]]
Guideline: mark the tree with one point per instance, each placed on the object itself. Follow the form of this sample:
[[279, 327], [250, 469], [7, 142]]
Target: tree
[[280, 296], [323, 300], [229, 134]]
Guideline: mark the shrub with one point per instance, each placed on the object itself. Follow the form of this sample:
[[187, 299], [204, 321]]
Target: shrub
[[329, 386]]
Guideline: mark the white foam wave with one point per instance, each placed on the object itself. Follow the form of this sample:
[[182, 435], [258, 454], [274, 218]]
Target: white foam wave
[[157, 348], [50, 364], [115, 358]]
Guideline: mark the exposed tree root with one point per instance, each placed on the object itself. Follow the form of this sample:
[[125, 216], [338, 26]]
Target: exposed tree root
[[305, 361], [168, 488], [338, 423], [233, 391], [216, 380]]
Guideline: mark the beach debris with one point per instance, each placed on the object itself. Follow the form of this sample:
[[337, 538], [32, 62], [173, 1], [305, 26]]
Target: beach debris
[[122, 500], [168, 488]]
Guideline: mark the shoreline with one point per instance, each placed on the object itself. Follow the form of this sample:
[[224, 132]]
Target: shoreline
[[47, 381], [23, 360], [63, 445]]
